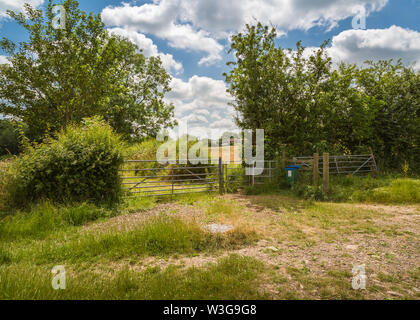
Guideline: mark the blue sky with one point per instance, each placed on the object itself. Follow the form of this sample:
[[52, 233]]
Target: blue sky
[[191, 36]]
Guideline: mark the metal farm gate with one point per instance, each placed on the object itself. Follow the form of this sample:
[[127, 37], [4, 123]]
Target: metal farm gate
[[346, 164], [148, 178]]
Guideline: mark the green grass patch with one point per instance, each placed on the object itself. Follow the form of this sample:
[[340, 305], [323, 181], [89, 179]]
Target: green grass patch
[[400, 191], [46, 218], [234, 277], [160, 236]]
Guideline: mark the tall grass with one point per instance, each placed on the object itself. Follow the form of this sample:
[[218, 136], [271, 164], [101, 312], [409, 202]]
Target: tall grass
[[45, 218], [380, 189], [400, 191], [4, 181], [161, 236], [233, 277]]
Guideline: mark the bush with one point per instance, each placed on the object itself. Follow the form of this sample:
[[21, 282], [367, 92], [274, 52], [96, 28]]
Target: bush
[[309, 192], [81, 164]]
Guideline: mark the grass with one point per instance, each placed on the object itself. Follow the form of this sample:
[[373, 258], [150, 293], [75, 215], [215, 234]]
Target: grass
[[45, 218], [161, 236], [112, 254], [334, 285], [375, 189], [233, 277], [400, 191]]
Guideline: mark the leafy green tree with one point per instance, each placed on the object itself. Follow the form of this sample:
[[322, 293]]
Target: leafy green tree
[[281, 91], [307, 104], [60, 76], [394, 102]]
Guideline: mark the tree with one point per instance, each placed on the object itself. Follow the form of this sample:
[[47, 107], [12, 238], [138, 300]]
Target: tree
[[281, 91], [394, 93], [307, 104], [9, 138], [60, 76]]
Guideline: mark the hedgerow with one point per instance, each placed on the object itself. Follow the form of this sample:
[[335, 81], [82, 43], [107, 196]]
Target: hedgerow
[[80, 164]]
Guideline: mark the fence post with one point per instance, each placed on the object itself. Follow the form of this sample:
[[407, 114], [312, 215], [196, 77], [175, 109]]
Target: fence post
[[316, 169], [326, 172], [220, 176], [283, 160], [375, 166]]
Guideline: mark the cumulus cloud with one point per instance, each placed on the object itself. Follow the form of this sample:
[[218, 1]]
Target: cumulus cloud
[[220, 16], [3, 60], [197, 25], [161, 20], [357, 46], [203, 103], [149, 48], [16, 5]]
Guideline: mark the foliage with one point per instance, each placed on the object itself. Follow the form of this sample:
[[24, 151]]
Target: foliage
[[9, 138], [158, 236], [403, 191], [81, 164], [232, 277], [309, 192], [60, 76], [379, 189], [305, 103], [45, 218]]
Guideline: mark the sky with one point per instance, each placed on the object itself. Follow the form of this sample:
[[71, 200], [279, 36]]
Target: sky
[[192, 39]]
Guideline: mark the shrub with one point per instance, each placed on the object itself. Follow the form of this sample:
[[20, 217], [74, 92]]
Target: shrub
[[309, 192], [81, 164]]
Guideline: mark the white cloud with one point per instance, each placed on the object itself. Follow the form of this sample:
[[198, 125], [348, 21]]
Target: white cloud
[[203, 103], [3, 60], [16, 5], [197, 24], [149, 48], [357, 46], [160, 19], [220, 16]]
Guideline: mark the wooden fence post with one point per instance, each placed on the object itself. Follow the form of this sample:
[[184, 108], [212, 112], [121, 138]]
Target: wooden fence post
[[326, 172], [375, 166], [283, 160], [220, 176], [316, 169]]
